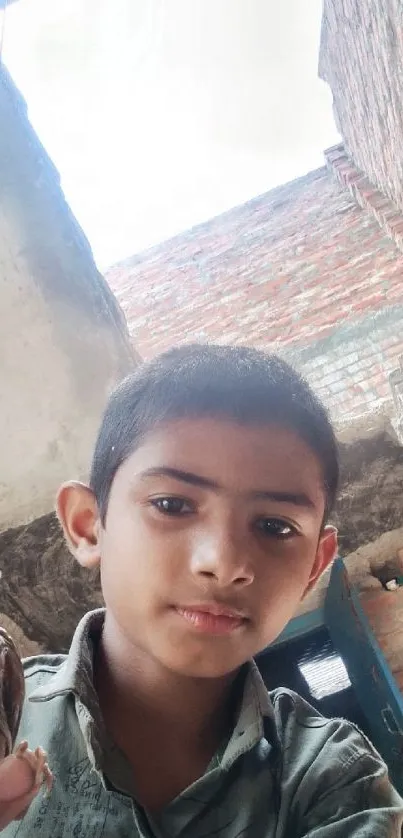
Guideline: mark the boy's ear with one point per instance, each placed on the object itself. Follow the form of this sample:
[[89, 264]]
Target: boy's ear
[[326, 552], [77, 511]]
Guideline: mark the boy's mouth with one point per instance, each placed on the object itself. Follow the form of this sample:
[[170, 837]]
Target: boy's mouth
[[211, 618]]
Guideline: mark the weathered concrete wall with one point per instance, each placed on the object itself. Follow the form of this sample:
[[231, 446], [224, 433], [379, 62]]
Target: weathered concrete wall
[[42, 589], [63, 340], [302, 270], [361, 58], [63, 345]]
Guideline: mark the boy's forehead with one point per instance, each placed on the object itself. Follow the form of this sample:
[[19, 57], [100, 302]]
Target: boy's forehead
[[232, 454]]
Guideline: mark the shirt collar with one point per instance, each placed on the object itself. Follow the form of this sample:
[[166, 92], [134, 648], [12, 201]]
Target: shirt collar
[[75, 674], [255, 724]]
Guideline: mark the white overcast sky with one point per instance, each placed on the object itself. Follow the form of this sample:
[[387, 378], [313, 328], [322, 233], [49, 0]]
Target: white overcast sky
[[162, 113]]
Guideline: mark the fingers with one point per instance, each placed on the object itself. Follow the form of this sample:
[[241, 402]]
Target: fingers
[[21, 749], [43, 773], [22, 775], [38, 762], [48, 778], [40, 757]]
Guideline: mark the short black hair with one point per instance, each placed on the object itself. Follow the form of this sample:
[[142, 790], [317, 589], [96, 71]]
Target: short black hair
[[237, 383]]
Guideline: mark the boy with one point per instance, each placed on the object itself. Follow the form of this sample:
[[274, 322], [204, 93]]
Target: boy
[[214, 473]]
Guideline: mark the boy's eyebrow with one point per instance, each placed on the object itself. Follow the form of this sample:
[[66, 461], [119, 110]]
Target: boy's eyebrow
[[294, 498]]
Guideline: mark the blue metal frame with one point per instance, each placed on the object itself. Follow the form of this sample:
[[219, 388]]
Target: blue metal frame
[[370, 674], [381, 660]]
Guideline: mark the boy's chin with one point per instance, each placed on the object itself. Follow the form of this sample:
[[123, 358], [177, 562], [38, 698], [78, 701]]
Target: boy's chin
[[207, 667]]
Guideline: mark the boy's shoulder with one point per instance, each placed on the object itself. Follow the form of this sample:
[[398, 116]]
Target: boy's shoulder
[[63, 673], [320, 753], [301, 728]]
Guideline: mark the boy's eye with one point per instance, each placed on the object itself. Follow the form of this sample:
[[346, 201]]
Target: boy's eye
[[275, 527], [172, 506]]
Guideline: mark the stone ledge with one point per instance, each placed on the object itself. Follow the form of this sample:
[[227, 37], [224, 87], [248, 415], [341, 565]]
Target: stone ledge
[[368, 197], [42, 589]]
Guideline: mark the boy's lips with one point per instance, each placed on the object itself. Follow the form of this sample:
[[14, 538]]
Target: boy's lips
[[212, 618]]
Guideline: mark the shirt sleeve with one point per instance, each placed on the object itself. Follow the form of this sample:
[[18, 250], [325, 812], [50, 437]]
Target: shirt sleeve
[[347, 790], [362, 804], [334, 783]]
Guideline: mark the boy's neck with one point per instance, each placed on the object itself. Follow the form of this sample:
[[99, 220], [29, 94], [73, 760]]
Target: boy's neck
[[145, 696]]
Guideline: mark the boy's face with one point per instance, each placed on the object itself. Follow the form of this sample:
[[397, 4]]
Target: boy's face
[[212, 537]]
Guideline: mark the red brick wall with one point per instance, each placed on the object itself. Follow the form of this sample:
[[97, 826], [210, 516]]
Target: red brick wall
[[361, 58], [303, 270]]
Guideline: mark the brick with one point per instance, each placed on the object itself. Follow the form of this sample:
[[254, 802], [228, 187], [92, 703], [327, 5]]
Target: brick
[[398, 676], [286, 270], [364, 47]]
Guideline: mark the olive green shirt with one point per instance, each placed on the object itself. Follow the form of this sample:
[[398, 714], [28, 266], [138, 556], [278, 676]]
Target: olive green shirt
[[285, 772]]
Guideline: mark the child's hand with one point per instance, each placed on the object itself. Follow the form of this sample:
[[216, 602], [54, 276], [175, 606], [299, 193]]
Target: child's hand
[[23, 772], [21, 776]]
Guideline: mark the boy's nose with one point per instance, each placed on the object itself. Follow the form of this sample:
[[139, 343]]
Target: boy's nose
[[222, 560]]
